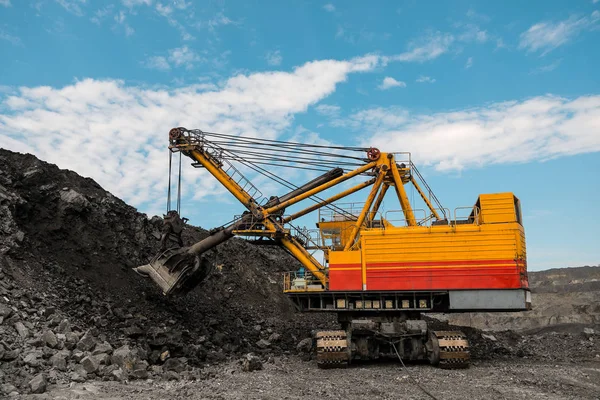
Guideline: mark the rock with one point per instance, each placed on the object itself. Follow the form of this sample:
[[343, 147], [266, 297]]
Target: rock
[[5, 312], [263, 344], [164, 355], [7, 388], [38, 384], [588, 331], [275, 337], [489, 337], [140, 374], [90, 364], [33, 358], [10, 355], [305, 345], [64, 326], [48, 311], [257, 328], [21, 330], [87, 342], [250, 363], [59, 361], [171, 376], [77, 377], [118, 374], [103, 347], [103, 358], [125, 357], [175, 364], [133, 331], [50, 339], [77, 355]]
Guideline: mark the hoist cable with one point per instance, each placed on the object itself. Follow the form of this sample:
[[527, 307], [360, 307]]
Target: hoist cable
[[169, 188]]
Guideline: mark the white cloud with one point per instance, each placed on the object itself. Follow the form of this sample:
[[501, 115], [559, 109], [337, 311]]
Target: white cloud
[[5, 3], [183, 56], [157, 62], [219, 19], [427, 48], [10, 38], [102, 13], [469, 63], [329, 7], [328, 110], [133, 3], [425, 79], [120, 18], [274, 58], [546, 36], [547, 68], [539, 128], [389, 82], [72, 6], [117, 133]]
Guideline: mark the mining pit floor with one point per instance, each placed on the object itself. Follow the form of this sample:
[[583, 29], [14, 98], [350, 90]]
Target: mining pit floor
[[295, 379]]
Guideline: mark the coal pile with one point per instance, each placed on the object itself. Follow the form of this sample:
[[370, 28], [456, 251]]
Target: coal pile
[[72, 309]]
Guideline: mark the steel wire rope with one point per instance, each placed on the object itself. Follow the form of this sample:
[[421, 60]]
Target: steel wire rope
[[289, 157], [250, 144], [289, 164], [169, 187], [179, 188], [272, 176], [286, 142], [284, 182], [410, 375]]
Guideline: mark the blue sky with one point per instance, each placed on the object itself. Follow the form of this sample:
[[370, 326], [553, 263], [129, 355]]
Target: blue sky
[[488, 96]]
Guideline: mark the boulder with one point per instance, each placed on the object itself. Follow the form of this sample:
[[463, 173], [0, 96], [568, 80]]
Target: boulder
[[250, 363], [90, 364], [50, 339], [38, 384]]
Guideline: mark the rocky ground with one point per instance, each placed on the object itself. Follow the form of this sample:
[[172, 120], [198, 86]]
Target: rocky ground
[[76, 322]]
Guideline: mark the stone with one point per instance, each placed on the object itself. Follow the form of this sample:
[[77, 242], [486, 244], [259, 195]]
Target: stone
[[588, 331], [59, 361], [50, 339], [103, 347], [125, 357], [133, 331], [77, 355], [10, 355], [118, 374], [171, 376], [38, 384], [275, 337], [263, 344], [7, 388], [33, 358], [250, 363], [87, 342], [76, 377], [305, 345], [140, 374], [22, 330], [257, 328], [90, 364], [64, 326], [103, 358], [489, 337], [164, 355], [175, 364], [5, 311]]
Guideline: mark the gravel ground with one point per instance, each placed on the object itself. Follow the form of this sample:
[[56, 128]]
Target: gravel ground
[[294, 379]]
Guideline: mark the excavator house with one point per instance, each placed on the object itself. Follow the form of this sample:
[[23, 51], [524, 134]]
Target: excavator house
[[381, 270]]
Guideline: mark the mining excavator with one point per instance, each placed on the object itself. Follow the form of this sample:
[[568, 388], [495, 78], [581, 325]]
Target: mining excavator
[[381, 270]]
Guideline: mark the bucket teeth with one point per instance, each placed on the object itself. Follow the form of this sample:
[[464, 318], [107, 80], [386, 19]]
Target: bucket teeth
[[332, 349], [453, 349]]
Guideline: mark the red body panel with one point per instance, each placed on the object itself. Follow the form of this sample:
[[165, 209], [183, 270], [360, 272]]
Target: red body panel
[[439, 275]]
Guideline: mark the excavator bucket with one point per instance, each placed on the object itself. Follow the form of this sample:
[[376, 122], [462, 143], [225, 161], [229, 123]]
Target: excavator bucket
[[176, 272]]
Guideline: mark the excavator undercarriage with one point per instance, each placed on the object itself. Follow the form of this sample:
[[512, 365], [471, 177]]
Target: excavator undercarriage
[[381, 271]]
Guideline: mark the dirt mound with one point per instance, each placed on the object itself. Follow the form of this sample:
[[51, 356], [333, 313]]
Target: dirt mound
[[66, 251]]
